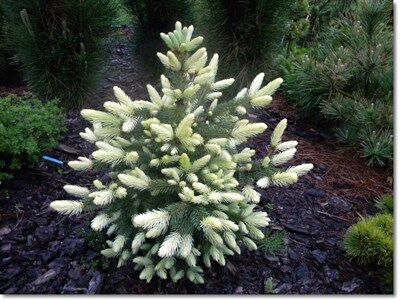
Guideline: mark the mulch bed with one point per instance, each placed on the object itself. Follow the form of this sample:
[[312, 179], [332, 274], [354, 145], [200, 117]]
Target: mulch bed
[[45, 253]]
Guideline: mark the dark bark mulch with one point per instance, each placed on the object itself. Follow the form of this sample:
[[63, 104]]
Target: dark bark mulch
[[45, 253]]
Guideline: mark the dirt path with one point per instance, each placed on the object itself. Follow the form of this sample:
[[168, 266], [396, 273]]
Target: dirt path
[[42, 252]]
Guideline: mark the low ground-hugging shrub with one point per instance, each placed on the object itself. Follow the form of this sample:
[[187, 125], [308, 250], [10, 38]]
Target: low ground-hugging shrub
[[370, 241], [28, 128], [59, 44], [182, 183]]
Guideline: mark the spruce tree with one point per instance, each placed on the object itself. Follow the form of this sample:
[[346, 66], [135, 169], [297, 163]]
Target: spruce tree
[[182, 192]]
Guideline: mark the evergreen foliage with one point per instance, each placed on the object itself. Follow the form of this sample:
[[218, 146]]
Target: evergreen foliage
[[27, 129], [385, 204], [298, 24], [181, 193], [246, 33], [8, 74], [346, 78], [59, 44], [151, 18], [322, 14], [370, 241]]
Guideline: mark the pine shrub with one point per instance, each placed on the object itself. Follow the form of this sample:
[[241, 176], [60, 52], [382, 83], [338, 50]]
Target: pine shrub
[[8, 74], [323, 13], [151, 18], [298, 24], [181, 193], [59, 44], [246, 33], [347, 79], [28, 128], [370, 241]]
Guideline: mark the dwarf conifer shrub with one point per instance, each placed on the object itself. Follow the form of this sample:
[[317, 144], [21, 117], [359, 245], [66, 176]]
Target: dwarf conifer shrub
[[370, 241], [182, 190], [59, 44], [28, 128]]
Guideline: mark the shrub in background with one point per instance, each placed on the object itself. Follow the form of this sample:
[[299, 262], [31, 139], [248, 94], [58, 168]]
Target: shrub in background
[[151, 18], [347, 78], [58, 44], [322, 14], [8, 74], [27, 129], [247, 34], [370, 241], [298, 24], [308, 21], [182, 191]]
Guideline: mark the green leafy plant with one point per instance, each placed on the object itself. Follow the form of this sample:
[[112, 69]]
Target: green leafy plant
[[182, 189], [28, 128], [96, 241], [269, 286], [346, 79], [59, 44], [247, 34], [370, 241], [273, 242]]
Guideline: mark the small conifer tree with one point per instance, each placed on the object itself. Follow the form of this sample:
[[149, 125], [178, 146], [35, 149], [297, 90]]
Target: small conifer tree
[[181, 193]]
